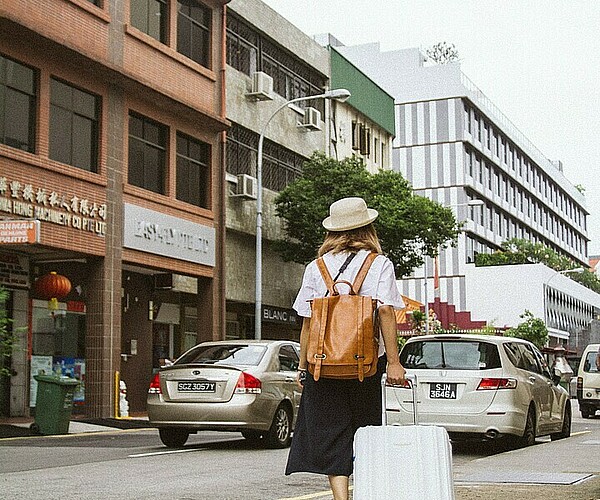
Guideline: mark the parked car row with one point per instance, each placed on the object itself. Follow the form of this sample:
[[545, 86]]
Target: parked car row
[[473, 385]]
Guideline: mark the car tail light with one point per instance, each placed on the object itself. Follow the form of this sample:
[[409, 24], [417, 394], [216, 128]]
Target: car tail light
[[248, 384], [580, 383], [491, 384], [155, 385]]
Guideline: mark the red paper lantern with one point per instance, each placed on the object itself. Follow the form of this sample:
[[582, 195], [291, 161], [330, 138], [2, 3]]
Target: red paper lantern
[[52, 287]]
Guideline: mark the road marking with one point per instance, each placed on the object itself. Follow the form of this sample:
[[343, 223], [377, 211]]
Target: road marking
[[580, 433], [314, 495], [168, 452], [75, 434]]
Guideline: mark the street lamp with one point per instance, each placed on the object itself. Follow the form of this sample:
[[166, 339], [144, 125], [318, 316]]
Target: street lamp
[[337, 94], [471, 203]]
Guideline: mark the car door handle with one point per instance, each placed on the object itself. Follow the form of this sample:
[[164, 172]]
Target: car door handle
[[288, 379], [532, 380]]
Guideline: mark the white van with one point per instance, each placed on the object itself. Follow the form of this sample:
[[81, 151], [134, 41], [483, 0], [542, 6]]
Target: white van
[[588, 381]]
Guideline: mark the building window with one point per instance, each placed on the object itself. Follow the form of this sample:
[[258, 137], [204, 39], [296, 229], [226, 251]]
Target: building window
[[150, 16], [193, 171], [193, 31], [249, 51], [18, 99], [73, 126], [280, 165], [147, 153]]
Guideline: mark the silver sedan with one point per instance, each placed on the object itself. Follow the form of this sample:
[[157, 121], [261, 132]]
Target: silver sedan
[[246, 386]]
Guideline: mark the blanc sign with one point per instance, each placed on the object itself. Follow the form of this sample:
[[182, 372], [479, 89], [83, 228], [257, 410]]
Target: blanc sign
[[272, 314]]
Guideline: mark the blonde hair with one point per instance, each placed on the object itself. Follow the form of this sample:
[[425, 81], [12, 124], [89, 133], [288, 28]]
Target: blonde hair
[[361, 238]]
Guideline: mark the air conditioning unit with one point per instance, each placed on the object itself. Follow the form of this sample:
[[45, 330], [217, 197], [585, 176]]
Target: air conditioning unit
[[262, 87], [247, 187], [312, 119]]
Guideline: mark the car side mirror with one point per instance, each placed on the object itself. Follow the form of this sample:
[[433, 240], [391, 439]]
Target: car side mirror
[[556, 379]]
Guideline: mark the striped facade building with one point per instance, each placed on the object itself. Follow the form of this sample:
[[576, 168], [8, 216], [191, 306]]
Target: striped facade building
[[457, 148]]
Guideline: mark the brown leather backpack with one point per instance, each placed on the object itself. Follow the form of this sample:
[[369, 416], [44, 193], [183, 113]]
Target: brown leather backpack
[[343, 338]]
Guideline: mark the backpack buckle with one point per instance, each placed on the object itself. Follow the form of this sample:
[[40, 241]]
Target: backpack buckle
[[320, 356]]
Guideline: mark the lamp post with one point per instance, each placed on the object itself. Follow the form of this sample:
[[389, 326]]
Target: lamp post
[[339, 95], [470, 203]]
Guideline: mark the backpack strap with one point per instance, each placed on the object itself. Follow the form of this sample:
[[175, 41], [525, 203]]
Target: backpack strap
[[325, 274], [329, 283], [362, 272], [358, 281]]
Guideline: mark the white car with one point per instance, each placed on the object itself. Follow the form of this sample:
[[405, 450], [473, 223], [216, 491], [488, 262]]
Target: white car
[[588, 381], [480, 385]]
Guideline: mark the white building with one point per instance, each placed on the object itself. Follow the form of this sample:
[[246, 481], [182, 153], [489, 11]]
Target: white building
[[454, 146]]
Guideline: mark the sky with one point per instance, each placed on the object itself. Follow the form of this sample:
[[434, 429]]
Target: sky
[[537, 60]]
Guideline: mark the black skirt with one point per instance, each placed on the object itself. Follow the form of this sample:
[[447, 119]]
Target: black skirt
[[331, 410]]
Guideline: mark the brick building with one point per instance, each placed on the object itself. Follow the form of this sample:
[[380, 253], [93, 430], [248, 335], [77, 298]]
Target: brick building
[[112, 130]]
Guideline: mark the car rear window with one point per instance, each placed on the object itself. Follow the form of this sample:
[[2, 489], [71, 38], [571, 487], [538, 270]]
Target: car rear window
[[591, 364], [229, 355], [450, 355]]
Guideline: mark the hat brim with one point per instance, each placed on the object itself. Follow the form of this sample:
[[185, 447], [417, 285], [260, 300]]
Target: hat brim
[[372, 214]]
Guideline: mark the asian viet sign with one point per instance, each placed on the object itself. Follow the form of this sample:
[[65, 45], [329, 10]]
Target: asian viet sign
[[41, 204]]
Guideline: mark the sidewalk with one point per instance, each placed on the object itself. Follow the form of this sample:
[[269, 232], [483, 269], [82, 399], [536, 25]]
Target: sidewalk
[[19, 427], [568, 469]]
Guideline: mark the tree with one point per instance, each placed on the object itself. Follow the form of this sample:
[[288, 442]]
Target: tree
[[408, 225], [520, 251], [532, 329], [442, 53]]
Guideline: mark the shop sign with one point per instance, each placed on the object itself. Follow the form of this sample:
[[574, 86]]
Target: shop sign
[[154, 232], [272, 314], [14, 232], [38, 202]]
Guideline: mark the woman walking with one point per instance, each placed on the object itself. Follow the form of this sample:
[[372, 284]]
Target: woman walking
[[331, 410]]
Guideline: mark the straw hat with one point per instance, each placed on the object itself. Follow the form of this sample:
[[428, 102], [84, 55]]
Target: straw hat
[[349, 213]]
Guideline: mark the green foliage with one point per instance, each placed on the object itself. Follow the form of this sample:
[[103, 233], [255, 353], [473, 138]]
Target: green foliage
[[532, 329], [442, 53], [404, 218], [519, 251], [8, 338]]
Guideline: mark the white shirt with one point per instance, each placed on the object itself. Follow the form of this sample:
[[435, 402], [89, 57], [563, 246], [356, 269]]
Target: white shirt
[[380, 282]]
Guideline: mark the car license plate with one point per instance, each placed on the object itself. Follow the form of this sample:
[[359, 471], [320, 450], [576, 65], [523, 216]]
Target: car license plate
[[442, 391], [196, 386]]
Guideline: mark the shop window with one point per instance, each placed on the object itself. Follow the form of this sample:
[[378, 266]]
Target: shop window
[[193, 171], [18, 99], [58, 345], [147, 153], [150, 16], [193, 31], [73, 126]]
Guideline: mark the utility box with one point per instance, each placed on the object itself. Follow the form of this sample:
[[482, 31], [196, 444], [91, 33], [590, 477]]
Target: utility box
[[54, 404]]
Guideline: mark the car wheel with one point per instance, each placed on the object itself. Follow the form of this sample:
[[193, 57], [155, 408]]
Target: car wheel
[[280, 433], [528, 438], [173, 438], [566, 426]]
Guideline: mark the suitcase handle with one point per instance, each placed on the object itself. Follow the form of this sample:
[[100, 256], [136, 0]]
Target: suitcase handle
[[412, 380]]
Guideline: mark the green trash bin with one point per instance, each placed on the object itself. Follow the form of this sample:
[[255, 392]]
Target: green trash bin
[[54, 403]]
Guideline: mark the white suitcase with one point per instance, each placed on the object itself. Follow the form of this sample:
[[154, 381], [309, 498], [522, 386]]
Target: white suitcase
[[402, 462]]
